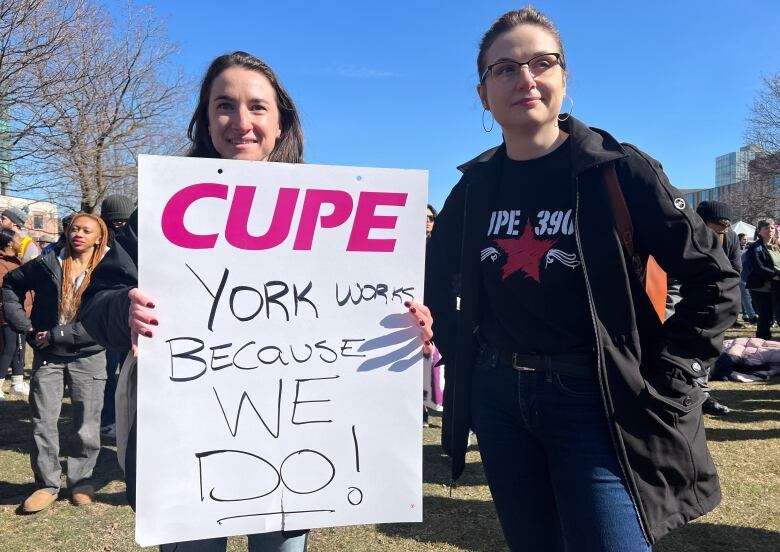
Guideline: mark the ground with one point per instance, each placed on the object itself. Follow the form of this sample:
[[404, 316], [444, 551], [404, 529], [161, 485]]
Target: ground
[[745, 445]]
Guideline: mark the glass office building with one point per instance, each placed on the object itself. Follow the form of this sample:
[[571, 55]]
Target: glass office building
[[733, 167]]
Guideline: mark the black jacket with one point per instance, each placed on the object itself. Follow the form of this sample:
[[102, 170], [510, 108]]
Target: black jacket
[[646, 369], [762, 266], [43, 275], [732, 250]]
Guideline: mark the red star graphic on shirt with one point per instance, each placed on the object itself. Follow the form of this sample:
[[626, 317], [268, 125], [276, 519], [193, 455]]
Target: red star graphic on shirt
[[524, 253]]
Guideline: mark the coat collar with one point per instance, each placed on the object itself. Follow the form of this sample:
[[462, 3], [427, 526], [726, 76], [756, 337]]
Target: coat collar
[[590, 147]]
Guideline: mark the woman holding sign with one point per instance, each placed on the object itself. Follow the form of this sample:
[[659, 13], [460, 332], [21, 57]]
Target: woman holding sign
[[244, 113], [588, 417], [63, 352]]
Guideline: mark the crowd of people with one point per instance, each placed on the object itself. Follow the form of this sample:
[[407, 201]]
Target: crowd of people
[[555, 354]]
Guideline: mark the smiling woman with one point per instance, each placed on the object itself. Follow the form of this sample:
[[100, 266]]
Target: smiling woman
[[243, 117], [243, 112]]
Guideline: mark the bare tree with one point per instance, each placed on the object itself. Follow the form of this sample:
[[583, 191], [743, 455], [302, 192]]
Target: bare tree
[[761, 197], [32, 34], [753, 199], [117, 93], [764, 118]]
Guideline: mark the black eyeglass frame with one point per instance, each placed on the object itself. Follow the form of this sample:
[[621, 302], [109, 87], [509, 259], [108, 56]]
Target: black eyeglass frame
[[489, 68]]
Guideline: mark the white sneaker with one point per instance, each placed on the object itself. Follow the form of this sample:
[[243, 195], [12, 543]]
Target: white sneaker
[[2, 396], [21, 389]]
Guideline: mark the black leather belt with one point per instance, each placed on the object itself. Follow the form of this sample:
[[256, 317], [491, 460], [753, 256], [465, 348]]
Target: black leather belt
[[579, 365]]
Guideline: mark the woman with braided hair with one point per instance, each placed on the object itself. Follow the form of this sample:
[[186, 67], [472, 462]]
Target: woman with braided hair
[[63, 352]]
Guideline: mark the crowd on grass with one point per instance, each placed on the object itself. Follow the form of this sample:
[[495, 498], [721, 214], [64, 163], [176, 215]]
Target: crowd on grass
[[584, 384]]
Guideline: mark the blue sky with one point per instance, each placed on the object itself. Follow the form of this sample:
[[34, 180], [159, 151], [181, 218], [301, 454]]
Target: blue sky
[[391, 84]]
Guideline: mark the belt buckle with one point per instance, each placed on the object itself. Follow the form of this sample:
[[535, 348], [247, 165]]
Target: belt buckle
[[520, 368]]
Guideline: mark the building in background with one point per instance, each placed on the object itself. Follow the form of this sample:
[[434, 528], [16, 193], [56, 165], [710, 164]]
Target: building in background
[[748, 180], [43, 220], [733, 167]]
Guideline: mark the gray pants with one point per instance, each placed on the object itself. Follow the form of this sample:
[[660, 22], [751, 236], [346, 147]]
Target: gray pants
[[86, 378], [261, 542]]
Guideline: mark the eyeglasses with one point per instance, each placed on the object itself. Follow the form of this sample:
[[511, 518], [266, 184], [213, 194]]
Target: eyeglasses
[[507, 71], [431, 218]]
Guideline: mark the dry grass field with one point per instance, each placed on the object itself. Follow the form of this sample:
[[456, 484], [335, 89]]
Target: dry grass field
[[745, 444]]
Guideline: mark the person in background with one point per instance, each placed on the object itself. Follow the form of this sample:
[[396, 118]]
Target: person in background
[[588, 418], [243, 112], [114, 210], [763, 282], [12, 349], [432, 372], [748, 312], [44, 242], [59, 245], [63, 353], [717, 216], [15, 218], [430, 218]]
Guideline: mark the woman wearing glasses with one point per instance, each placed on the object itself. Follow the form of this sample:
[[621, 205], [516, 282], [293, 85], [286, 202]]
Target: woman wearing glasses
[[584, 404]]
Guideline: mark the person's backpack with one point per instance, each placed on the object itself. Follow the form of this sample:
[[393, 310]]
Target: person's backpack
[[651, 274]]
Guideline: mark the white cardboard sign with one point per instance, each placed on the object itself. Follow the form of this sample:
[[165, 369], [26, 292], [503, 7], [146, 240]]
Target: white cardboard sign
[[283, 386]]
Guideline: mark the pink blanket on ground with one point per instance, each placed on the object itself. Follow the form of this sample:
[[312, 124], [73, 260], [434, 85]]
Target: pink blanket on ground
[[752, 351]]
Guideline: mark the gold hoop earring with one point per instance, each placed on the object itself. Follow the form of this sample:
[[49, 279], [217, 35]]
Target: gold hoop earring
[[568, 114], [492, 121]]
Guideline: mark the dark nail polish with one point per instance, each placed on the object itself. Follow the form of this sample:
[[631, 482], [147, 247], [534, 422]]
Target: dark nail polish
[[150, 305], [407, 304], [147, 333], [422, 322], [154, 322], [413, 310]]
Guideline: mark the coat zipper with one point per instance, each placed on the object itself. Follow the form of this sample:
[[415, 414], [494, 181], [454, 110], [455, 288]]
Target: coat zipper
[[599, 367]]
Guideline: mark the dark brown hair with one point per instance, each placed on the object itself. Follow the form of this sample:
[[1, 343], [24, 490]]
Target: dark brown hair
[[763, 223], [511, 19], [289, 146]]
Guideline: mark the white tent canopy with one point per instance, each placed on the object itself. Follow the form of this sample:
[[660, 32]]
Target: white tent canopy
[[743, 227]]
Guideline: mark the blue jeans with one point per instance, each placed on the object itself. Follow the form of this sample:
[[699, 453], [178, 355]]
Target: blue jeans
[[747, 305], [114, 361], [549, 460]]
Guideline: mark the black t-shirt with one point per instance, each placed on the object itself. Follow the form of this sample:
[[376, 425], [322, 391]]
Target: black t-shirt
[[534, 296]]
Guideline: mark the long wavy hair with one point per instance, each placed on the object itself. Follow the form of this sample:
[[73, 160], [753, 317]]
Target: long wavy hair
[[289, 146], [70, 295]]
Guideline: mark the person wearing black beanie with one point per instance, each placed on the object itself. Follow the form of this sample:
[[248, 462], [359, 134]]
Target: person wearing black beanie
[[115, 210], [717, 216]]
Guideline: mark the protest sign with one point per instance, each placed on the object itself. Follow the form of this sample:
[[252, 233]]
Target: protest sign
[[283, 386]]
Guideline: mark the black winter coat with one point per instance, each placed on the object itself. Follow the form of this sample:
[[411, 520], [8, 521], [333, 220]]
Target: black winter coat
[[763, 267], [105, 304], [646, 369], [43, 275]]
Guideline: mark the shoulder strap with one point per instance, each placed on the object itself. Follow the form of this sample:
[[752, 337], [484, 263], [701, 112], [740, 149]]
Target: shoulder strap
[[623, 224], [651, 274]]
